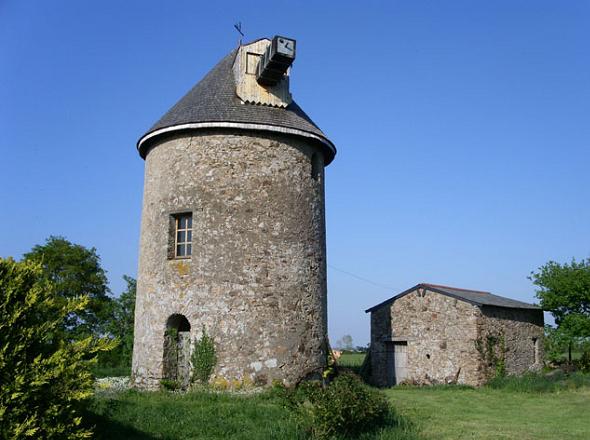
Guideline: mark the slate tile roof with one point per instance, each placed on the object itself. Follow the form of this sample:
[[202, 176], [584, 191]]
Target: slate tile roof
[[476, 297], [214, 100]]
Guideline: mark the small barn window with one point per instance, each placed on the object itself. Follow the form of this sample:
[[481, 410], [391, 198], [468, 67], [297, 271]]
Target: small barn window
[[317, 165], [183, 235]]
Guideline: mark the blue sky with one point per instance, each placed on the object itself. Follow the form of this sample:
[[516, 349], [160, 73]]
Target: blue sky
[[461, 126]]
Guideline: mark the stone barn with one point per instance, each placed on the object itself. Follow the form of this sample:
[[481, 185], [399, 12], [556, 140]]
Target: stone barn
[[433, 334], [232, 229]]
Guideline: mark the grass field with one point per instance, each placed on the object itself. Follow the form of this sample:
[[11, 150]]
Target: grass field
[[207, 415], [522, 408], [447, 413], [351, 359], [422, 413], [534, 407], [198, 415]]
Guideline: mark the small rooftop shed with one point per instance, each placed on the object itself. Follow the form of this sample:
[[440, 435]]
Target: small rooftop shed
[[439, 334]]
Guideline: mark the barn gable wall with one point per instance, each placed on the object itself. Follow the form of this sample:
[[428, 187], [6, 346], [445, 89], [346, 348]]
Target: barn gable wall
[[442, 335], [440, 332]]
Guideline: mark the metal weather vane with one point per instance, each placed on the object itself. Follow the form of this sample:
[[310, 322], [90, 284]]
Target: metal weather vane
[[238, 27]]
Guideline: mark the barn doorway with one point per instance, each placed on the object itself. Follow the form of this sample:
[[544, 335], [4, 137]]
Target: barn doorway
[[177, 347], [396, 362]]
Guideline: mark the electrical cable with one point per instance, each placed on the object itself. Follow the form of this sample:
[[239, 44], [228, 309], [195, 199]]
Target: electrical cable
[[358, 277]]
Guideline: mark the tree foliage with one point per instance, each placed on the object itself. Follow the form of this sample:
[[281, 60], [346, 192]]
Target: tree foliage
[[345, 343], [564, 290], [556, 343], [75, 271], [120, 325], [44, 375]]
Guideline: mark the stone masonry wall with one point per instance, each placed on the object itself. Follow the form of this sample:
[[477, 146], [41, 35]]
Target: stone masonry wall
[[522, 333], [257, 276], [440, 332]]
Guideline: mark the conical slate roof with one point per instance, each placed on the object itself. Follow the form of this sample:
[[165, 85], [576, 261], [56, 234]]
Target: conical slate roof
[[213, 103]]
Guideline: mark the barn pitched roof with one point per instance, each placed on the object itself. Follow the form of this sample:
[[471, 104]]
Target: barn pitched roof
[[476, 297], [213, 103]]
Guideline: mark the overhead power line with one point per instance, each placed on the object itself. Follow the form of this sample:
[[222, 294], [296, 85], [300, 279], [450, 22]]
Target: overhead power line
[[358, 277]]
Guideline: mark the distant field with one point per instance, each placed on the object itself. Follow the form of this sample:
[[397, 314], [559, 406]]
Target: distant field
[[351, 360]]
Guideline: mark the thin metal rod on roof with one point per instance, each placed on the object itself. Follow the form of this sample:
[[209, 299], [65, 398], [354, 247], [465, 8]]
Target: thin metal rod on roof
[[238, 27]]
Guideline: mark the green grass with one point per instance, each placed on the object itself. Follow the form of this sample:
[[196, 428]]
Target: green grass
[[352, 361], [541, 383], [487, 413], [198, 415], [206, 415], [532, 407]]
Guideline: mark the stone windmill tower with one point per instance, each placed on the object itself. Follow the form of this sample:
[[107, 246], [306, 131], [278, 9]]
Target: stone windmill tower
[[232, 230]]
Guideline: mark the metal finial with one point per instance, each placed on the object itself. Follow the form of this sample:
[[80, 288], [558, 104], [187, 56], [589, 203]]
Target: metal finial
[[238, 27]]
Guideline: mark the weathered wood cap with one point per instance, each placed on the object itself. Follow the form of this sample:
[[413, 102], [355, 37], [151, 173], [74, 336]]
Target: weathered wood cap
[[213, 104]]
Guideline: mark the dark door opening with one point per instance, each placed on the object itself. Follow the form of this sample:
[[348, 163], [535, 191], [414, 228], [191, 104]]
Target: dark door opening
[[177, 344]]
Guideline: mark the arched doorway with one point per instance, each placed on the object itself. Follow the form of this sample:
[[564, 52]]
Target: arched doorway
[[177, 347]]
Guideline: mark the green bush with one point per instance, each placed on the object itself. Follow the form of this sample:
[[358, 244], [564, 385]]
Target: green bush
[[203, 358], [492, 349], [345, 408], [169, 385], [44, 376]]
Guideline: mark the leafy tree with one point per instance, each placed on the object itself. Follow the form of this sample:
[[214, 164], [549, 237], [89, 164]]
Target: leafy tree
[[44, 376], [75, 271], [556, 343], [120, 325], [345, 343], [564, 290]]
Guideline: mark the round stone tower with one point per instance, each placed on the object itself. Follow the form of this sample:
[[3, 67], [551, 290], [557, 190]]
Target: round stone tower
[[233, 231]]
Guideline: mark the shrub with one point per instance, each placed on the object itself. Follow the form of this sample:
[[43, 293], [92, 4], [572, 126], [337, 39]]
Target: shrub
[[45, 377], [492, 349], [203, 358], [346, 407], [169, 385], [366, 370], [556, 380]]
